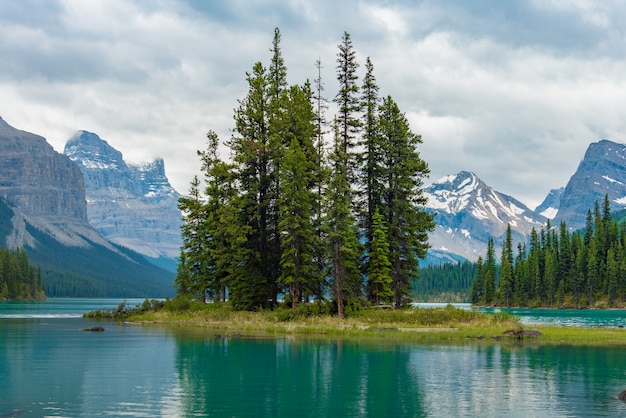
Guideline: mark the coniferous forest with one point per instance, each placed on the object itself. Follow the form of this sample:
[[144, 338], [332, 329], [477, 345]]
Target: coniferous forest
[[558, 268], [19, 280], [307, 206]]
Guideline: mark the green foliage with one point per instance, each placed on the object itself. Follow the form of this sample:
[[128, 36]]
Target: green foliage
[[284, 218], [453, 281], [580, 269], [19, 280], [379, 268], [81, 272], [304, 310]]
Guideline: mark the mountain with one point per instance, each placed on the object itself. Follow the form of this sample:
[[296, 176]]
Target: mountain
[[602, 171], [132, 205], [468, 212], [42, 197], [551, 204]]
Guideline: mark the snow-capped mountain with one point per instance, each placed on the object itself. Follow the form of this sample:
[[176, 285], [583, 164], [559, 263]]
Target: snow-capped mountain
[[551, 204], [602, 171], [44, 211], [468, 212], [132, 205]]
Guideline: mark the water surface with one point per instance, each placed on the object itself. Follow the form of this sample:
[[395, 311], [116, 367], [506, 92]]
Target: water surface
[[49, 367]]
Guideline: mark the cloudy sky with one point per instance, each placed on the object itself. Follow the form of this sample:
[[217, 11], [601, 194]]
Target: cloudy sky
[[514, 91]]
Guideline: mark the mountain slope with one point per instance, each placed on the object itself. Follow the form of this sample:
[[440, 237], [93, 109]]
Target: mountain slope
[[602, 171], [468, 213], [551, 204], [43, 194], [132, 205]]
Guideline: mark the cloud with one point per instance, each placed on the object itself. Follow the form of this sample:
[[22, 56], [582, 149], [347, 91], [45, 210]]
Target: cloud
[[514, 91]]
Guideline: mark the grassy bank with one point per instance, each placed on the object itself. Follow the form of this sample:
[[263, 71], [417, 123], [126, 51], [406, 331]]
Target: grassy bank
[[447, 324]]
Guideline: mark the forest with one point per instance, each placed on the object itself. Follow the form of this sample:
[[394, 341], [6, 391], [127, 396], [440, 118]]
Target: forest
[[19, 280], [558, 268], [447, 282], [307, 207]]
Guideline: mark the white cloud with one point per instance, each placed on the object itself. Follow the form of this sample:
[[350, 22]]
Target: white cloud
[[513, 91]]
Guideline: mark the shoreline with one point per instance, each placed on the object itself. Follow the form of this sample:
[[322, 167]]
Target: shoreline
[[484, 330]]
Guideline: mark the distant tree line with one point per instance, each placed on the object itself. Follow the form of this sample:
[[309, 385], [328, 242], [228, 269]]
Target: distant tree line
[[288, 215], [19, 280], [558, 268], [447, 282]]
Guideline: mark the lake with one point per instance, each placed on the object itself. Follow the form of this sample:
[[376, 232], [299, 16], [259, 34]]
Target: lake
[[50, 367]]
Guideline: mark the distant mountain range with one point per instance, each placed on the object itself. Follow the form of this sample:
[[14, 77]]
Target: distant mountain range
[[92, 220], [131, 205], [42, 199], [468, 211]]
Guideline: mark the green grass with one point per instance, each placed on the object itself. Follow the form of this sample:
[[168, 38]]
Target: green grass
[[441, 325]]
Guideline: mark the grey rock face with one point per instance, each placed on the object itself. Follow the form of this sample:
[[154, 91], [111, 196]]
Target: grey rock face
[[37, 179], [132, 205], [468, 213], [46, 189], [551, 204], [602, 171]]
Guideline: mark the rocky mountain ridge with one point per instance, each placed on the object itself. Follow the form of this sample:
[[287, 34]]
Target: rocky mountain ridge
[[43, 193], [601, 172], [132, 205], [468, 212]]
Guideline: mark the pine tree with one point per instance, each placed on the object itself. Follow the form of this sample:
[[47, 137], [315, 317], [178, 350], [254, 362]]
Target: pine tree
[[254, 286], [507, 282], [408, 222], [321, 180], [296, 204], [379, 266], [478, 285], [343, 240], [489, 273], [193, 273], [226, 230], [348, 103], [372, 173]]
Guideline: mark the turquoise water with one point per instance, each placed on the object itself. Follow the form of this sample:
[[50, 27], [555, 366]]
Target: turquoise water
[[49, 367]]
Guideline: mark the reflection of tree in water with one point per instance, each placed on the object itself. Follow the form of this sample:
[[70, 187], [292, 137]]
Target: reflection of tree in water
[[289, 377]]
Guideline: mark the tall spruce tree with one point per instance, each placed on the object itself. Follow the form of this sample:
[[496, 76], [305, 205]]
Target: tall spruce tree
[[194, 267], [379, 267], [489, 273], [403, 197], [348, 103], [226, 230], [344, 246], [253, 286], [296, 210], [507, 281]]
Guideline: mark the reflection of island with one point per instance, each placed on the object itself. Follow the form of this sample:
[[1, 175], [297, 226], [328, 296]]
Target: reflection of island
[[285, 377]]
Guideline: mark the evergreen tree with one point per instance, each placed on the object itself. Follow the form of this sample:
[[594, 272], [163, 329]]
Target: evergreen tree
[[348, 103], [321, 179], [507, 282], [372, 175], [489, 273], [254, 286], [522, 290], [194, 268], [296, 226], [342, 231], [226, 230], [379, 266], [408, 222], [478, 285]]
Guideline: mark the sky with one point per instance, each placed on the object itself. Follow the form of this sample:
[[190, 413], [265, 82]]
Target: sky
[[514, 91]]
